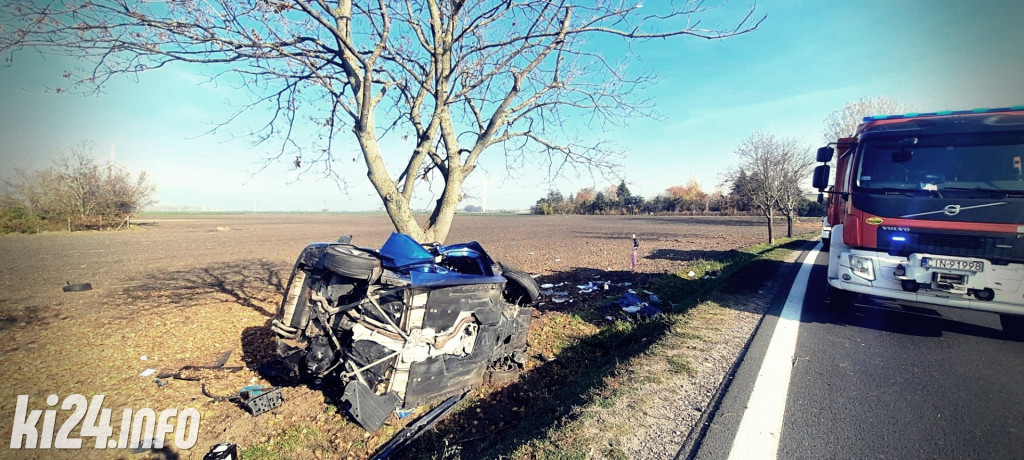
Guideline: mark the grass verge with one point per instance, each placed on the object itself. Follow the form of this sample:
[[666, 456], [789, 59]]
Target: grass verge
[[574, 401]]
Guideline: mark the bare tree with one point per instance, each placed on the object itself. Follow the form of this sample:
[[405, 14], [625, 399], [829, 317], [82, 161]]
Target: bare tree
[[844, 122], [796, 162], [762, 175], [450, 78], [77, 192]]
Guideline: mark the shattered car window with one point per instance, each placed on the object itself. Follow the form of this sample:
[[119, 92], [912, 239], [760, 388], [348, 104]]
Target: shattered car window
[[403, 326]]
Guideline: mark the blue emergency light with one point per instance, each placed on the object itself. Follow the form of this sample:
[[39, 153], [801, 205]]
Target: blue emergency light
[[943, 113]]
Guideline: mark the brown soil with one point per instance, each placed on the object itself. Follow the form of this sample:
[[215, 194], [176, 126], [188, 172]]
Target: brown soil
[[182, 290]]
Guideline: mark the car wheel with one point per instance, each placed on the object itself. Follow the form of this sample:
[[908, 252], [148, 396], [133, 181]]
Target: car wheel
[[825, 242], [352, 262], [521, 288], [1013, 326], [839, 299]]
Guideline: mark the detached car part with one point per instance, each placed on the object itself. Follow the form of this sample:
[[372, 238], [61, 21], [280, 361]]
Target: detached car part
[[403, 326]]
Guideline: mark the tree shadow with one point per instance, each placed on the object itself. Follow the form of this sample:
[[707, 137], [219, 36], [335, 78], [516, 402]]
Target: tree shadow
[[559, 390], [253, 283], [679, 255], [257, 284]]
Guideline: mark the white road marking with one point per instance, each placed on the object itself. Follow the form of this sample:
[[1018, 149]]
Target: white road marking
[[761, 425]]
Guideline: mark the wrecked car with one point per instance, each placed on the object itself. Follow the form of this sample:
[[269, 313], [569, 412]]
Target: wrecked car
[[405, 325]]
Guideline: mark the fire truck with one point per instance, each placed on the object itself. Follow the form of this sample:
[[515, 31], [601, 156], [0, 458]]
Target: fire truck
[[929, 208]]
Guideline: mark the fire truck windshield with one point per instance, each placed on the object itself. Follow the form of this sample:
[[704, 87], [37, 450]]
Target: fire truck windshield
[[940, 164]]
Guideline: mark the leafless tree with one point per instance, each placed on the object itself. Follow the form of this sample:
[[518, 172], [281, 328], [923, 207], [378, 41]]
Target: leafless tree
[[767, 173], [450, 78], [796, 162], [77, 192], [844, 122]]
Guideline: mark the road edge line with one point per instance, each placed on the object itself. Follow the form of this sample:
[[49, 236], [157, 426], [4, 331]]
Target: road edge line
[[760, 429]]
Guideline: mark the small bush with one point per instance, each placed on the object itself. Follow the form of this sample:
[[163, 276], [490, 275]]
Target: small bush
[[18, 220]]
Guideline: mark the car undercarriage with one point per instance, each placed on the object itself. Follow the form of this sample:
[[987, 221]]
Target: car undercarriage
[[405, 325]]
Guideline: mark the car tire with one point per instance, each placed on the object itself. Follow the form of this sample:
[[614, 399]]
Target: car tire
[[839, 299], [350, 261], [521, 288], [1013, 326], [825, 242]]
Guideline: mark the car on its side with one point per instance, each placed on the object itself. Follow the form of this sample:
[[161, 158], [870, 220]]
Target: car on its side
[[405, 325]]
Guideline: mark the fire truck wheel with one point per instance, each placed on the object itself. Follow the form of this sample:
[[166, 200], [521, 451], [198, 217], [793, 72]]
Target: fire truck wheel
[[839, 299], [1013, 326]]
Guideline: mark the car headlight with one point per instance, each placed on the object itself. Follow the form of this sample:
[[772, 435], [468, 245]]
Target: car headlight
[[862, 267]]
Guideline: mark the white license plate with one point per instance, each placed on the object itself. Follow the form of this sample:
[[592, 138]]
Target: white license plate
[[953, 264]]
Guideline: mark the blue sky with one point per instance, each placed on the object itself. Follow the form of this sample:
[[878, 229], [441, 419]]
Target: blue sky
[[806, 60]]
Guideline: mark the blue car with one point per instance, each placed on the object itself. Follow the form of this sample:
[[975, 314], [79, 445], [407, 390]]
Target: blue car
[[404, 325]]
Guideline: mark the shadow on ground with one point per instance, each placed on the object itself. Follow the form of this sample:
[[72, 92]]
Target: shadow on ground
[[257, 284]]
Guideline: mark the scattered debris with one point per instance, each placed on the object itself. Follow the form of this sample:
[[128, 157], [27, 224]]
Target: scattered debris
[[712, 274], [147, 372], [259, 399], [631, 303], [634, 308], [691, 274], [547, 286], [159, 382], [415, 429], [217, 366], [222, 451], [224, 229], [77, 287]]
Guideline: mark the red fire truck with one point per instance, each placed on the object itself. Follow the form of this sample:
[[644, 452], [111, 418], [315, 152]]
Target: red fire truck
[[929, 208]]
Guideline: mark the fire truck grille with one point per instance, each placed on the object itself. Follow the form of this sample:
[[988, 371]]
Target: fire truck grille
[[994, 247]]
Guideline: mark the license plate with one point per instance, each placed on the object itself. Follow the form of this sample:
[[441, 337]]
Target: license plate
[[952, 264]]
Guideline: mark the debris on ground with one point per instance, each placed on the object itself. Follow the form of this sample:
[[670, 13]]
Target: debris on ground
[[222, 451], [259, 399], [631, 303], [712, 274], [79, 287]]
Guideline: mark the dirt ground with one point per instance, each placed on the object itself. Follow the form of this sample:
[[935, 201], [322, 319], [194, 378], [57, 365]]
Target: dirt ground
[[183, 289]]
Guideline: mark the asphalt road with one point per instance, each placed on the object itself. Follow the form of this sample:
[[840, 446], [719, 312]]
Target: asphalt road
[[885, 381]]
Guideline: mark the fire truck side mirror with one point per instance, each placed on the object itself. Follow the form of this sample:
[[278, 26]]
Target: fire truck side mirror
[[820, 178], [821, 198], [825, 154]]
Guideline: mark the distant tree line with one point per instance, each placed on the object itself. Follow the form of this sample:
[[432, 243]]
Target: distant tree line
[[689, 199], [74, 193]]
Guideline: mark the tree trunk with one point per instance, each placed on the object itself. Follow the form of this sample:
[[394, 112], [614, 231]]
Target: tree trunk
[[771, 230], [789, 225]]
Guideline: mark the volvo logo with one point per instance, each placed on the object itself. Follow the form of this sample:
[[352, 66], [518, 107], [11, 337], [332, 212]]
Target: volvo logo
[[954, 209]]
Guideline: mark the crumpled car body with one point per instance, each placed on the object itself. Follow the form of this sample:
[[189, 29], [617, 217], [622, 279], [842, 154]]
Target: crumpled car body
[[405, 325]]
